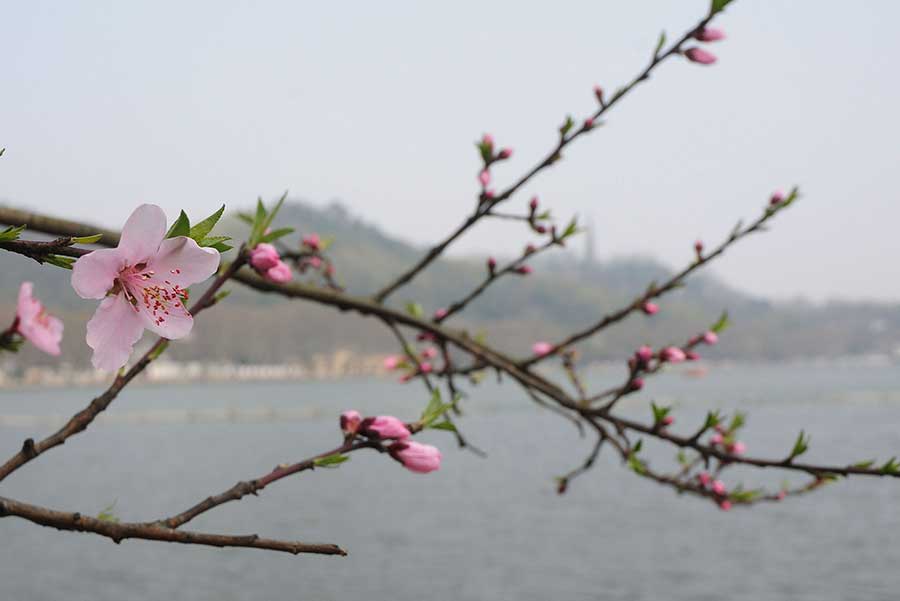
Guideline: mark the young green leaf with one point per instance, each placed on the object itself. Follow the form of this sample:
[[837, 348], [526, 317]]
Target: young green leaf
[[566, 126], [721, 324], [331, 460], [660, 43], [201, 230], [87, 239], [59, 261], [276, 234], [181, 227], [718, 6], [443, 426], [11, 233], [415, 309], [864, 465], [800, 446]]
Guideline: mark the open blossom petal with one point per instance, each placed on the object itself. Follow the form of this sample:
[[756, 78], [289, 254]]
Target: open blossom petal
[[183, 262], [112, 332], [38, 327], [95, 273], [142, 234]]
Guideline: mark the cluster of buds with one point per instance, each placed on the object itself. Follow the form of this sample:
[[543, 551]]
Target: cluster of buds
[[699, 55], [414, 456], [725, 439], [535, 219], [716, 487], [266, 260], [424, 359], [489, 156]]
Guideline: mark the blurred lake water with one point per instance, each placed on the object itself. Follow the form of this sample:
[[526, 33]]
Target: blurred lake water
[[478, 528]]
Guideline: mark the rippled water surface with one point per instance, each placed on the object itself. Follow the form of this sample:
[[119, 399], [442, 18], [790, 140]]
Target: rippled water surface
[[479, 528]]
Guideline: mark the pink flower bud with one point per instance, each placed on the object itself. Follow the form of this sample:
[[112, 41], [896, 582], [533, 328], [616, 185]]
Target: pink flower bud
[[777, 198], [644, 354], [709, 34], [484, 176], [704, 479], [698, 246], [264, 257], [422, 336], [533, 204], [636, 384], [312, 241], [691, 355], [668, 420], [384, 426], [425, 367], [650, 308], [710, 337], [491, 264], [280, 273], [598, 94], [391, 362], [700, 56], [429, 353], [416, 457], [718, 487], [589, 123], [672, 354], [738, 448], [541, 229], [530, 249], [315, 262], [524, 270], [781, 495], [505, 153], [350, 421], [488, 140], [716, 439], [440, 314], [725, 505], [489, 194], [541, 348]]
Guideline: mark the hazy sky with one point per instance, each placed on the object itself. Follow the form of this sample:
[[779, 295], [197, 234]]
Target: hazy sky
[[191, 104]]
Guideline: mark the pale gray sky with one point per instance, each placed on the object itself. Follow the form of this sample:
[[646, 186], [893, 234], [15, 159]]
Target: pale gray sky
[[190, 104]]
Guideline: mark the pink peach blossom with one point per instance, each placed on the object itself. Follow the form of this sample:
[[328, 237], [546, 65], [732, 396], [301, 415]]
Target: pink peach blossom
[[350, 421], [264, 257], [425, 367], [781, 495], [484, 176], [524, 270], [709, 34], [589, 123], [716, 439], [672, 354], [598, 94], [644, 354], [698, 246], [280, 274], [143, 285], [36, 325], [710, 337], [668, 420], [738, 448], [718, 487], [777, 198], [491, 264], [488, 140], [541, 348], [650, 308], [416, 457], [700, 56], [384, 426]]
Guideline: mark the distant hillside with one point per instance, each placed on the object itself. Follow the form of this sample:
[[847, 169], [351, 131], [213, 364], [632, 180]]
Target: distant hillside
[[563, 294]]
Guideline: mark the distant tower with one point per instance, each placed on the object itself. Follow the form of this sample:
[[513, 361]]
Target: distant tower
[[589, 249]]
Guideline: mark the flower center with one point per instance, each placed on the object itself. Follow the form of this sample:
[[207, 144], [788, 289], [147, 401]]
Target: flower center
[[142, 287]]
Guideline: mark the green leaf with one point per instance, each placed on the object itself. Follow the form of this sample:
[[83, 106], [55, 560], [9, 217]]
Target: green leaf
[[744, 496], [415, 309], [245, 217], [571, 229], [637, 447], [891, 466], [722, 324], [659, 412], [638, 466], [108, 514], [660, 43], [258, 221], [87, 239], [435, 409], [325, 243], [443, 426], [864, 465], [713, 419], [11, 233], [202, 229], [276, 234], [181, 227], [682, 458], [718, 6], [737, 422], [566, 126], [59, 261], [331, 461], [273, 212], [800, 446]]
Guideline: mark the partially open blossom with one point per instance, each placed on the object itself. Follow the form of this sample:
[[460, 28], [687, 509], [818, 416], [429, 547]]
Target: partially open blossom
[[541, 348], [718, 487], [709, 34], [264, 257], [350, 421], [650, 308], [644, 354], [672, 354], [777, 198], [700, 56], [416, 457], [484, 176], [425, 367], [737, 448], [383, 426], [440, 314], [505, 153], [312, 241], [143, 285], [34, 323], [725, 505], [280, 274], [710, 337]]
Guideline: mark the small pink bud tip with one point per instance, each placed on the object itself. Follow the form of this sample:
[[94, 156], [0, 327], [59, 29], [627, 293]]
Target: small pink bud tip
[[598, 94], [488, 194], [589, 123], [429, 353], [533, 204], [709, 34], [440, 314], [541, 348], [698, 246], [492, 264], [505, 153], [279, 274], [704, 479], [541, 229], [383, 426], [312, 241], [718, 487], [716, 439], [425, 367], [710, 337], [264, 257], [391, 362], [672, 354], [487, 140], [777, 198], [725, 505], [691, 355], [700, 56], [738, 448], [636, 384], [668, 420], [781, 495], [650, 308], [524, 270], [416, 457], [644, 354], [350, 421], [484, 176]]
